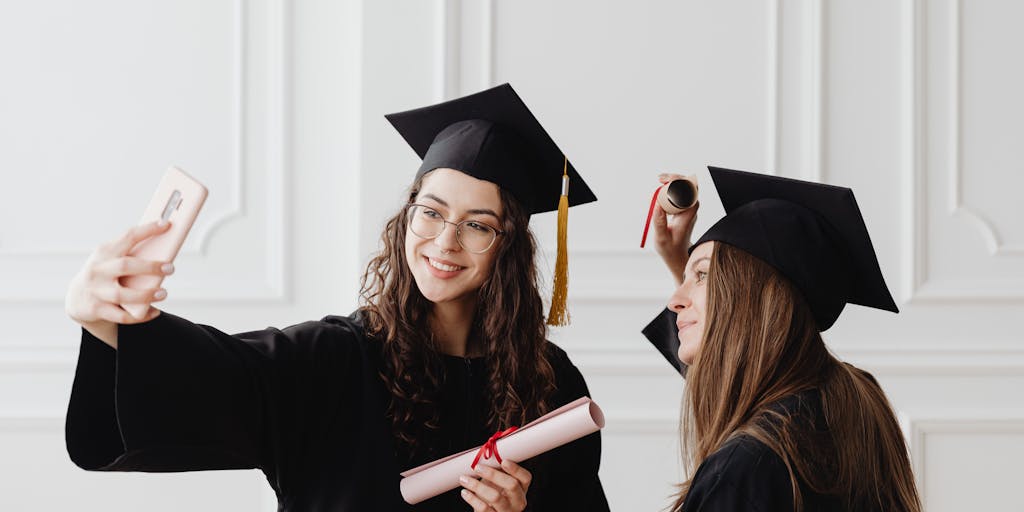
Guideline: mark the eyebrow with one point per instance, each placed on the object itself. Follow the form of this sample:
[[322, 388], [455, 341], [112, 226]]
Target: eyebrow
[[694, 264], [474, 211]]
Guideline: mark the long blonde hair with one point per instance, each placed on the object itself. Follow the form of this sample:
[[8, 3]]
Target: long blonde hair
[[761, 345]]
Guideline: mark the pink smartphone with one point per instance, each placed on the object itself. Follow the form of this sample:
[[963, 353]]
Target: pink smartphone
[[177, 200]]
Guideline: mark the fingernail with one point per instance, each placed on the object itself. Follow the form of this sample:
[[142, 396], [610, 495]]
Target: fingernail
[[167, 268], [464, 479], [465, 494], [160, 294], [161, 223]]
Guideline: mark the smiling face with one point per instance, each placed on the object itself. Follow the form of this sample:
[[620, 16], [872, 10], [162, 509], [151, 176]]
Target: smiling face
[[444, 271], [690, 302]]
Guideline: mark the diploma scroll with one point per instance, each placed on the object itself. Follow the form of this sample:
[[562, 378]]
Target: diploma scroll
[[556, 428]]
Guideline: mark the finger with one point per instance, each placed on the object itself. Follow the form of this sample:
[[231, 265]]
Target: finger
[[500, 479], [137, 234], [666, 177], [480, 488], [129, 266], [125, 295], [114, 313], [474, 501], [518, 472]]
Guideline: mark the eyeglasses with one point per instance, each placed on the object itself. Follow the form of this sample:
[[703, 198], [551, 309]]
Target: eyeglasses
[[474, 236]]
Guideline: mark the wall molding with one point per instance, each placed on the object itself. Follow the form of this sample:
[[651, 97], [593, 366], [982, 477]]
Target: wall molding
[[270, 157], [450, 67], [919, 287], [602, 358], [959, 422], [813, 66], [608, 358], [957, 205]]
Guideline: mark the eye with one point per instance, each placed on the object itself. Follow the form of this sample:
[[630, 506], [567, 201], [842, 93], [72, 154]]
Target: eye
[[427, 212], [701, 276], [476, 226]]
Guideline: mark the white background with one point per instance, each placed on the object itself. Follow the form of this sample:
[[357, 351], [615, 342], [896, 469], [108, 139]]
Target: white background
[[278, 106]]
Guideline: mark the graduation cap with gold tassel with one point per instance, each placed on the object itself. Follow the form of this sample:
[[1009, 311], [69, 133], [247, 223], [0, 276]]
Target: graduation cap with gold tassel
[[493, 136]]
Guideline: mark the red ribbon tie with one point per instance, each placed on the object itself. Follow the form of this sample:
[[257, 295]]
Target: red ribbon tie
[[491, 447], [650, 213]]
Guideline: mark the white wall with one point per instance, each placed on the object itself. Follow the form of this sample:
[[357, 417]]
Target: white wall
[[278, 106]]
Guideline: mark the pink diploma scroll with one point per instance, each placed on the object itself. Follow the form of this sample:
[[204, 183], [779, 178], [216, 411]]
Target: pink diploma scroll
[[563, 425]]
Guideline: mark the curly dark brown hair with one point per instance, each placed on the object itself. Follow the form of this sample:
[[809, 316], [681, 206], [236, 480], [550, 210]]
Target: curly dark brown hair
[[508, 322]]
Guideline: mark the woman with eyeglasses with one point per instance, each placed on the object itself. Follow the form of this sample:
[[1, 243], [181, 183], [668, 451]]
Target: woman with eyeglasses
[[771, 420], [447, 347]]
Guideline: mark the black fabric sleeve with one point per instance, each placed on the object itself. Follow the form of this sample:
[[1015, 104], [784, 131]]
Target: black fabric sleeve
[[177, 396]]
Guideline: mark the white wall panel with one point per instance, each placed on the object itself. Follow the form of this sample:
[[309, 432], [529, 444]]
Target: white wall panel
[[963, 460], [968, 227], [195, 85]]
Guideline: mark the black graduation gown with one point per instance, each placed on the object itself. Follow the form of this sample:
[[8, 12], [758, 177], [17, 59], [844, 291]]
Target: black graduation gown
[[305, 405], [746, 475]]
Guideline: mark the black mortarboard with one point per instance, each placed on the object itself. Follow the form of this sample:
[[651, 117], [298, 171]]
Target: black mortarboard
[[812, 233], [493, 136]]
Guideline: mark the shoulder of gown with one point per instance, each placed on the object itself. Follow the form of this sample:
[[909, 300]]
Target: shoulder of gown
[[744, 474]]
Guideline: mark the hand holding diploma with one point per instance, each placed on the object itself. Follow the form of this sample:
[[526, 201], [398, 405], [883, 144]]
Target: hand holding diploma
[[561, 426], [501, 490], [672, 233]]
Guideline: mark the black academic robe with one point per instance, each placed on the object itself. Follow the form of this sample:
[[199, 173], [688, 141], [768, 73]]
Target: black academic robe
[[746, 475], [305, 405]]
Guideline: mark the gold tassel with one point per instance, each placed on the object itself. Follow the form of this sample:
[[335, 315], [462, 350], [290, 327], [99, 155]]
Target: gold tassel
[[559, 313]]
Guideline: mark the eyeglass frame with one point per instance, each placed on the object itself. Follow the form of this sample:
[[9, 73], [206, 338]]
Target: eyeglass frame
[[458, 227]]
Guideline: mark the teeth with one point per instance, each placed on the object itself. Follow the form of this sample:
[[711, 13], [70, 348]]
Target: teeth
[[442, 266]]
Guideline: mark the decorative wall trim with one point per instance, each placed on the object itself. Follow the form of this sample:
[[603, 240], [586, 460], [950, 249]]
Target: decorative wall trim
[[599, 357], [813, 67], [773, 71], [959, 422], [957, 206], [450, 68], [918, 287], [607, 357], [273, 159]]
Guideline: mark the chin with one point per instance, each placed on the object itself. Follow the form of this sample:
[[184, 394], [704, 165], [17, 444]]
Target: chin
[[685, 355]]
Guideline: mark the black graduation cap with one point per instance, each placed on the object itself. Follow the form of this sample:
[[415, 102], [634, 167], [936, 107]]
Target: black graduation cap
[[493, 136], [812, 233]]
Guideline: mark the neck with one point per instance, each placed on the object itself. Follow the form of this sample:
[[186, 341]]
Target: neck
[[451, 322]]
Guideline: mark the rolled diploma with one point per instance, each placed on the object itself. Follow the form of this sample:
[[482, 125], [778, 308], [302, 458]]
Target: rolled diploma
[[556, 428]]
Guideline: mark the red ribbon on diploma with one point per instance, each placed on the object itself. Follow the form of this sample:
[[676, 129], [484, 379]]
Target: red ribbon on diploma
[[650, 213], [491, 447]]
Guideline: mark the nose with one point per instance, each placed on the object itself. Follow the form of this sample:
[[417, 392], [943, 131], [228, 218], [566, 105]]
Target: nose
[[448, 239], [680, 298]]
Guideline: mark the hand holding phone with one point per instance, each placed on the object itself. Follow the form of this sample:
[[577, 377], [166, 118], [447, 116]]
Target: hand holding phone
[[177, 200]]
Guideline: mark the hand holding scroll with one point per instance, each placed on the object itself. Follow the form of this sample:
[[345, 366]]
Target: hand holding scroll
[[672, 234], [499, 489]]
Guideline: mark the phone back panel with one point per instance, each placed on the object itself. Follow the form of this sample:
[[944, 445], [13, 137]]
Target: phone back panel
[[178, 199]]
